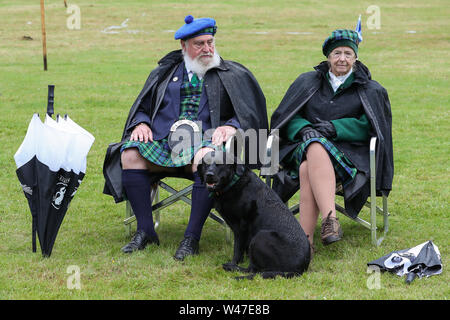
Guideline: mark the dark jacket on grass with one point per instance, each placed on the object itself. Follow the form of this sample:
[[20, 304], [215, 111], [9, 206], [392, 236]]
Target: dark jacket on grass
[[365, 99], [231, 91]]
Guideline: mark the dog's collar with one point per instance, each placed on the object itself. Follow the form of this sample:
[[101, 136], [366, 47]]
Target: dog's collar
[[233, 181]]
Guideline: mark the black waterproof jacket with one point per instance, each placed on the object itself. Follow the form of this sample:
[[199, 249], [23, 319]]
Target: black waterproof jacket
[[228, 86], [376, 105]]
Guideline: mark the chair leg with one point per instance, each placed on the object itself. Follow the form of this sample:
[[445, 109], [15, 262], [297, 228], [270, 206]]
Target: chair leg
[[373, 221], [155, 199], [385, 215], [128, 214], [373, 212]]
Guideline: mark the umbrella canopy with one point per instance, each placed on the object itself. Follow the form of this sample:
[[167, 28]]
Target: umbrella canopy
[[420, 261], [51, 164]]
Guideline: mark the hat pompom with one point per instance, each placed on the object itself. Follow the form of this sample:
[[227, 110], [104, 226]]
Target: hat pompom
[[195, 27]]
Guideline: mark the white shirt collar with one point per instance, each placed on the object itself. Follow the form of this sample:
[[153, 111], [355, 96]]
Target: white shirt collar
[[336, 81], [191, 73]]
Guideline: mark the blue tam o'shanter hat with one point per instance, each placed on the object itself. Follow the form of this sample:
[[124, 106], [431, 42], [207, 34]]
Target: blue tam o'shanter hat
[[196, 27]]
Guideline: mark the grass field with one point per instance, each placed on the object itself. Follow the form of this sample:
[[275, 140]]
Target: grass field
[[98, 75]]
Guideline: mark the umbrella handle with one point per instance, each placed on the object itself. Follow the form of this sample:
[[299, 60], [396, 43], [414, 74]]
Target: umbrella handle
[[410, 277], [50, 99]]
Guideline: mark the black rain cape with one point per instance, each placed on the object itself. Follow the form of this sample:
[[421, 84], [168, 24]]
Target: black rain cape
[[375, 101], [243, 90], [51, 163]]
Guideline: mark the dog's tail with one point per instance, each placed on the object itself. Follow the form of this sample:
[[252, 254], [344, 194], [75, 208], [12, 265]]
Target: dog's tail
[[270, 275]]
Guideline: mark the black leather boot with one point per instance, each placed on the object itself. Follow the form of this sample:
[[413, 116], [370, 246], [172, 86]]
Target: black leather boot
[[188, 246], [139, 241]]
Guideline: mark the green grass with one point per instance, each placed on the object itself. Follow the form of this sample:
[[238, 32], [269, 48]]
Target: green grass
[[97, 78]]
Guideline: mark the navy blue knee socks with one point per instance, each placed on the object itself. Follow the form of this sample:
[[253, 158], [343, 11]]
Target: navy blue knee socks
[[137, 186], [201, 206]]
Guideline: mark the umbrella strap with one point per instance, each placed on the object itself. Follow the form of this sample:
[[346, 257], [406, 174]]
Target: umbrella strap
[[33, 235], [50, 99]]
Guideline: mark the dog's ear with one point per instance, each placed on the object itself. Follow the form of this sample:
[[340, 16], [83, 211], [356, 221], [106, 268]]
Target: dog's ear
[[200, 171], [235, 163]]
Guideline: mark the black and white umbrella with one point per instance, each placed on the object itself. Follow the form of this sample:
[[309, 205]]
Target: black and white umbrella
[[420, 261], [51, 163]]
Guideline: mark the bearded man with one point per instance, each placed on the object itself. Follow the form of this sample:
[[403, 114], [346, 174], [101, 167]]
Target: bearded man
[[190, 86]]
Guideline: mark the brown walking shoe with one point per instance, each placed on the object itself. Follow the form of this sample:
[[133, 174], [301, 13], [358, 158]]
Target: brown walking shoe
[[331, 230]]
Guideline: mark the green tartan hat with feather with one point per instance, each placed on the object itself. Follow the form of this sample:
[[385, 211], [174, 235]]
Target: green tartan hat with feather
[[341, 38]]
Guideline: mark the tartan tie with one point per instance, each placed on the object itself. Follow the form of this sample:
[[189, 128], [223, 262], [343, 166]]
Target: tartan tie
[[194, 80]]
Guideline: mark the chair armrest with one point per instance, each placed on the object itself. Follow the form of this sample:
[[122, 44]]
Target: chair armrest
[[373, 144], [229, 143], [271, 159], [372, 148]]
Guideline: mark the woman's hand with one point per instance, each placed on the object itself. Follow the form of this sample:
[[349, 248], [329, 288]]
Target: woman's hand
[[308, 133], [326, 128]]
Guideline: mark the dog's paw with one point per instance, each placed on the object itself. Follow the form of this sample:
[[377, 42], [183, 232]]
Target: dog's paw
[[230, 266]]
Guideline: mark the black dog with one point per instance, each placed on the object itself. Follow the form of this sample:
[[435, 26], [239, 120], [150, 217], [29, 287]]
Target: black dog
[[262, 224]]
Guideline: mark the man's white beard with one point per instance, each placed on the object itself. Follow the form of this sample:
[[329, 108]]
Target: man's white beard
[[197, 66]]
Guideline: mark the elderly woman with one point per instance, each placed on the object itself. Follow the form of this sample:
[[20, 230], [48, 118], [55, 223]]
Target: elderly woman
[[325, 122]]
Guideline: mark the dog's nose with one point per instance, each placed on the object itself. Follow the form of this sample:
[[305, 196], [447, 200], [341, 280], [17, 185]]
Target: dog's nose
[[210, 177]]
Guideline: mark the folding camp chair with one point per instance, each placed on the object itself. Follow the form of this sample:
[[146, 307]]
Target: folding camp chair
[[271, 168], [175, 195]]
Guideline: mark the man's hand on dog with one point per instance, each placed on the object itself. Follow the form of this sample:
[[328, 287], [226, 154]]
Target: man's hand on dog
[[222, 134], [142, 133]]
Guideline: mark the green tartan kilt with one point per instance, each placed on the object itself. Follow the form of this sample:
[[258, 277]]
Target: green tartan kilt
[[343, 167], [159, 152]]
